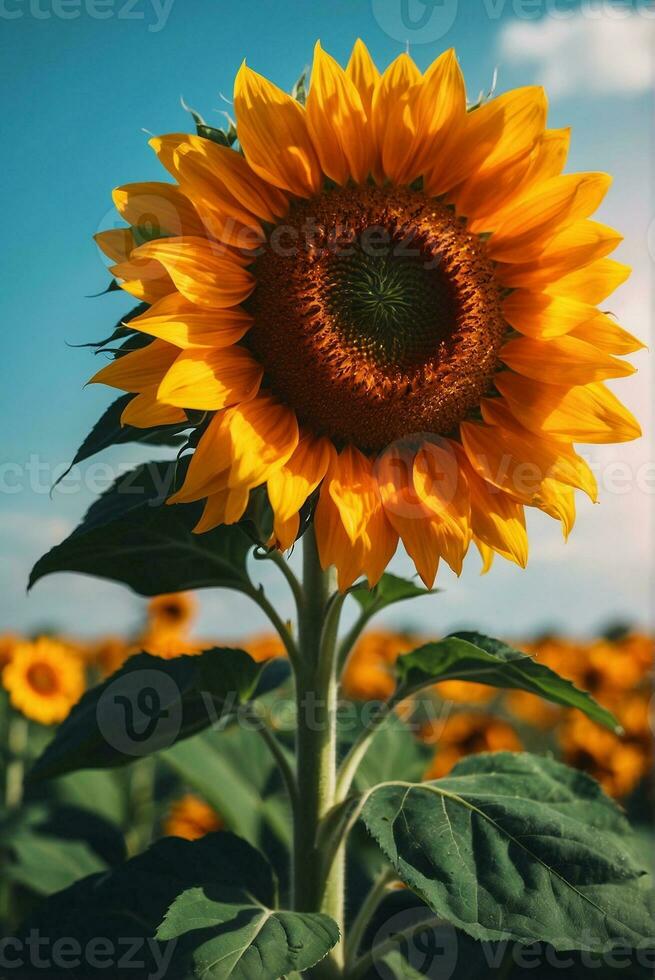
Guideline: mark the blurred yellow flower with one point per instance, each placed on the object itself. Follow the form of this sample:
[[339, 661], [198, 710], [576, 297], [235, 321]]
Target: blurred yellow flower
[[44, 680], [263, 646], [465, 733], [369, 674], [191, 817]]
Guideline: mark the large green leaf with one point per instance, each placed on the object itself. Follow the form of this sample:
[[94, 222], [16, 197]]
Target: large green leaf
[[151, 703], [232, 936], [108, 431], [129, 535], [132, 899], [514, 846], [473, 657]]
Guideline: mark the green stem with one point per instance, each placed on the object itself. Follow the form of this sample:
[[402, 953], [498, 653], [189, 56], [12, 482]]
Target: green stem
[[280, 757], [353, 634], [282, 629], [142, 804], [369, 906], [17, 736], [316, 747], [278, 559], [360, 747]]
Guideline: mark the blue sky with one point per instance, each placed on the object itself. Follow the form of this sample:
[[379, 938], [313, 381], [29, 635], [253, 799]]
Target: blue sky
[[85, 78]]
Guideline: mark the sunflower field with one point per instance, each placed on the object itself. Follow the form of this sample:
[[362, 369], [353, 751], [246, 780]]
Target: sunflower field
[[368, 318], [57, 831]]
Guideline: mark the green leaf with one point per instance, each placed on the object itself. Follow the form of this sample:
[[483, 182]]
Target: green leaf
[[221, 136], [477, 658], [235, 773], [108, 431], [46, 854], [299, 90], [128, 535], [389, 590], [514, 846], [132, 899], [148, 705], [394, 754], [231, 936]]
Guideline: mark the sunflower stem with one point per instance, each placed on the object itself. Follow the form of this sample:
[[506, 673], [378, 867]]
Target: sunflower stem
[[316, 749]]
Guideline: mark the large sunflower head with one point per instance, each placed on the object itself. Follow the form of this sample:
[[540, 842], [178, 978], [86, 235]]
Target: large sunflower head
[[383, 304], [44, 680]]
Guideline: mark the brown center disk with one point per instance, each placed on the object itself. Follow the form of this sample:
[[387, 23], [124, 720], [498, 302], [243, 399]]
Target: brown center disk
[[377, 316]]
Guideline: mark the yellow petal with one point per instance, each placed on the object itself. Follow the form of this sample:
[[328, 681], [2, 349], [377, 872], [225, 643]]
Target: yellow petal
[[488, 199], [441, 487], [229, 196], [209, 380], [567, 360], [201, 272], [578, 245], [363, 74], [505, 454], [486, 554], [492, 135], [352, 488], [285, 533], [144, 411], [224, 507], [177, 321], [605, 334], [370, 550], [242, 446], [138, 370], [589, 413], [334, 546], [144, 278], [541, 316], [557, 501], [593, 283], [116, 243], [497, 521], [440, 112], [543, 212], [550, 157], [157, 208], [393, 121], [291, 485], [420, 529], [337, 121], [272, 128]]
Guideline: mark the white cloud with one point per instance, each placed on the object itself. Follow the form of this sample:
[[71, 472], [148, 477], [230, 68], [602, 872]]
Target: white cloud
[[584, 54]]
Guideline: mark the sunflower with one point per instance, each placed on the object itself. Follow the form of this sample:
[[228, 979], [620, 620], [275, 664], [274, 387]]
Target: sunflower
[[263, 646], [166, 633], [369, 673], [44, 680], [385, 306], [466, 733], [172, 610], [191, 817]]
